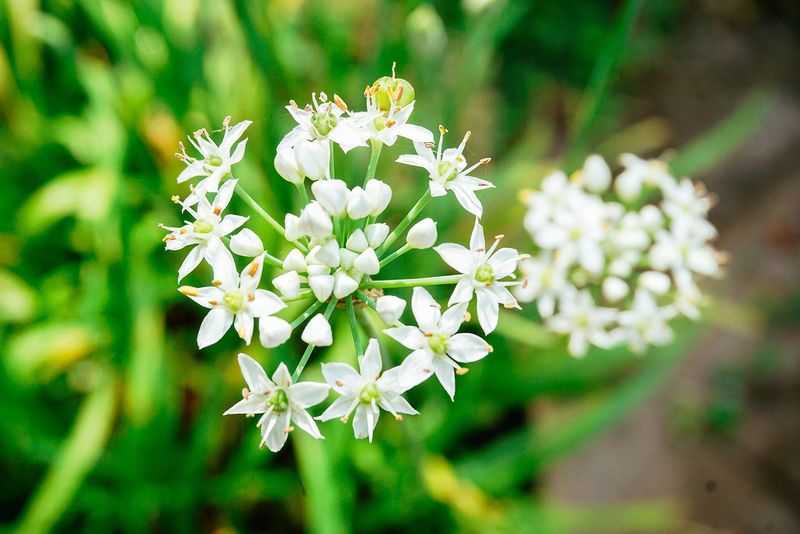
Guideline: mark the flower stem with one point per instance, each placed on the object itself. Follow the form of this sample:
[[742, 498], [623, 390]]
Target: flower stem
[[373, 160], [244, 195], [333, 163], [309, 349], [413, 282], [400, 228], [396, 254], [354, 327], [301, 188], [306, 314]]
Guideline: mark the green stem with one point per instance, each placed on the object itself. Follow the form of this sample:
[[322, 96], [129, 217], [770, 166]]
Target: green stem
[[373, 161], [309, 349], [394, 255], [306, 293], [413, 282], [301, 188], [272, 260], [244, 195], [333, 165], [400, 228], [351, 314], [306, 314]]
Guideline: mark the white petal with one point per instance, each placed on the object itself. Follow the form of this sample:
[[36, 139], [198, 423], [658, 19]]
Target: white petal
[[264, 303], [251, 275], [462, 292], [468, 200], [376, 234], [426, 310], [452, 319], [321, 286], [213, 327], [306, 423], [306, 394], [254, 375], [416, 368], [410, 337], [477, 243], [229, 223], [467, 348], [487, 310], [446, 375], [370, 362], [243, 324], [338, 408], [276, 438], [288, 284], [390, 308], [191, 262], [343, 285], [456, 256], [252, 405], [357, 242], [341, 377], [367, 262]]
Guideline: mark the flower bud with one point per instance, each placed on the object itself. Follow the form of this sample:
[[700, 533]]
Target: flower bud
[[315, 221], [288, 284], [376, 234], [294, 261], [273, 331], [346, 258], [596, 174], [367, 262], [313, 158], [321, 285], [247, 243], [326, 254], [359, 204], [380, 194], [614, 289], [655, 282], [357, 241], [293, 226], [287, 166], [651, 218], [422, 235], [390, 308], [628, 185], [332, 196], [318, 332], [343, 285], [386, 92]]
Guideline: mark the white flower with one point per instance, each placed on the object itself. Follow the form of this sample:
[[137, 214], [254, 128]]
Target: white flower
[[387, 127], [483, 271], [596, 176], [646, 322], [390, 308], [233, 300], [217, 160], [327, 121], [359, 204], [448, 171], [247, 243], [281, 402], [365, 392], [614, 289], [585, 322], [380, 194], [288, 284], [638, 173], [544, 281], [318, 332], [332, 195], [437, 347], [422, 235], [315, 221], [206, 231], [287, 165]]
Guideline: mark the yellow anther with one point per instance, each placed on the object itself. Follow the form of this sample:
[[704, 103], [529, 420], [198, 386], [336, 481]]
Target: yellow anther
[[462, 371], [213, 302], [442, 129], [253, 269], [245, 393], [251, 297], [339, 102], [398, 417], [189, 291], [390, 123], [217, 210], [217, 282]]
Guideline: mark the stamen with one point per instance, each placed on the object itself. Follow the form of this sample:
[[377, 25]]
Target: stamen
[[176, 199], [217, 282], [467, 316], [245, 393], [426, 370], [251, 297], [398, 417], [390, 123], [226, 122], [189, 291], [183, 230], [253, 269], [399, 94], [169, 237], [489, 348], [339, 383], [343, 419], [339, 102], [323, 96], [288, 429], [293, 104], [213, 302], [461, 371], [524, 283], [464, 141], [394, 65], [217, 211]]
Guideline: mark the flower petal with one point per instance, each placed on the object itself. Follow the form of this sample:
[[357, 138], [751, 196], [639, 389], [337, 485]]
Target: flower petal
[[254, 375], [456, 256], [370, 362], [446, 375], [467, 348], [305, 394], [410, 337], [487, 310], [426, 311], [213, 327], [341, 377]]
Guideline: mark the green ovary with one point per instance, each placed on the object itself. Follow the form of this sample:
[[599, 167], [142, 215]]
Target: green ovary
[[323, 122], [438, 343], [447, 171], [213, 160], [203, 227], [369, 393], [279, 401], [233, 300], [484, 274]]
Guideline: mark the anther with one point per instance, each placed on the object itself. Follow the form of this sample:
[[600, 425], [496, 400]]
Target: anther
[[442, 129], [343, 419], [251, 297], [226, 122], [176, 199], [288, 429], [245, 393], [398, 417], [339, 383], [390, 123], [189, 291], [485, 161], [213, 302], [489, 348], [253, 269], [339, 102], [169, 237], [217, 282], [461, 371], [217, 210]]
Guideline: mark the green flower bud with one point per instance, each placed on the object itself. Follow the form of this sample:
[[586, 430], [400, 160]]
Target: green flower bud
[[387, 90]]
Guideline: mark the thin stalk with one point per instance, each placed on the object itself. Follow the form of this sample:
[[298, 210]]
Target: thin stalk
[[373, 161], [413, 282], [272, 260], [309, 349], [396, 254], [351, 314], [333, 163], [244, 195], [306, 314], [400, 228], [301, 188]]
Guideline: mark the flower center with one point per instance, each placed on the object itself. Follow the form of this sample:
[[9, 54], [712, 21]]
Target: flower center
[[369, 393], [438, 343], [447, 171], [379, 122], [233, 300], [575, 234], [279, 401], [323, 122], [202, 226], [484, 274], [214, 160]]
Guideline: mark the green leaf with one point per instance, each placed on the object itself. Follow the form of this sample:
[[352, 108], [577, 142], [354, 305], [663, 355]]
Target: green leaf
[[323, 509]]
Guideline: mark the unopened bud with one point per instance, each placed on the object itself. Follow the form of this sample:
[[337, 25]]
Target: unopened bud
[[389, 90], [422, 235], [390, 308]]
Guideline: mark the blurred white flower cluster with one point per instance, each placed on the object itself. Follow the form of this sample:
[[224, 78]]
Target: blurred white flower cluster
[[335, 247], [617, 258]]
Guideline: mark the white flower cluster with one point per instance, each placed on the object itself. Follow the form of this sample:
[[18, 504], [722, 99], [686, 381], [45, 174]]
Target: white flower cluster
[[617, 258], [336, 247]]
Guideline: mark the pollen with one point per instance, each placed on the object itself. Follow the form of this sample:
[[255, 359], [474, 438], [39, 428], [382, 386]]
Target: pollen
[[339, 102], [390, 123], [251, 297], [461, 371], [217, 282], [217, 210], [189, 291], [442, 129], [253, 269]]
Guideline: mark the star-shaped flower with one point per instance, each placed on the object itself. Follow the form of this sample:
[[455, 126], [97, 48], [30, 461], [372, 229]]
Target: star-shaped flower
[[206, 231], [365, 391], [483, 273], [437, 347], [281, 402], [217, 160], [584, 321], [448, 171], [236, 300]]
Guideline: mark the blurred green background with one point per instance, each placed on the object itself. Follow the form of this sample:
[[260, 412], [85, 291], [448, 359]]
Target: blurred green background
[[111, 419]]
